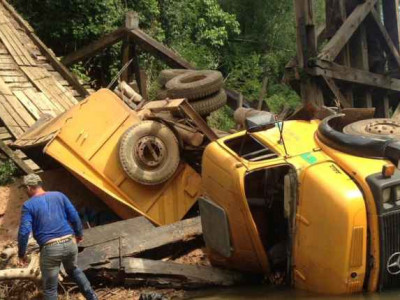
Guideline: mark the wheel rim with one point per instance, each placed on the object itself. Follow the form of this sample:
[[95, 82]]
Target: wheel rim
[[150, 151], [383, 127]]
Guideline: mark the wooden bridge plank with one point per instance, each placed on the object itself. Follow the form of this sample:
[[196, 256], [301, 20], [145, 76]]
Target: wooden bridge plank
[[28, 104], [20, 110], [10, 123]]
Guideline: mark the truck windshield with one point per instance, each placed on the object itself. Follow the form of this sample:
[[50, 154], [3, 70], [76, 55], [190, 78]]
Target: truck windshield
[[249, 148]]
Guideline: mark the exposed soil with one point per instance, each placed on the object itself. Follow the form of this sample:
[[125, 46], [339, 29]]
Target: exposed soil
[[11, 200], [12, 197], [94, 211]]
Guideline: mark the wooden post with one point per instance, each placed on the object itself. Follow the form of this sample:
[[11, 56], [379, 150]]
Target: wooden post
[[306, 35], [306, 50], [126, 56], [390, 9], [131, 23], [132, 20]]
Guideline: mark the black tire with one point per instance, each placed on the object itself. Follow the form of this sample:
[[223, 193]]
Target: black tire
[[161, 94], [168, 74], [195, 85], [379, 128], [136, 156], [208, 105]]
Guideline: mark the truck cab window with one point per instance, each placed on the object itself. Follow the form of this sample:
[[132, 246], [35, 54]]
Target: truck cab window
[[249, 148]]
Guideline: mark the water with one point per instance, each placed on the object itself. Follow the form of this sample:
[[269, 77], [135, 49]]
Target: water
[[261, 293]]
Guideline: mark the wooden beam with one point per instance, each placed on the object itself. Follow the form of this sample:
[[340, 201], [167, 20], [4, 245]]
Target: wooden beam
[[332, 70], [306, 35], [57, 65], [136, 70], [131, 22], [359, 60], [131, 242], [94, 47], [126, 56], [390, 9], [311, 94], [172, 274], [345, 32], [103, 233], [147, 43], [386, 37], [14, 157], [336, 92]]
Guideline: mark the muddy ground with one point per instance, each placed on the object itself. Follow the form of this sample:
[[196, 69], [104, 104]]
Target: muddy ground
[[94, 213]]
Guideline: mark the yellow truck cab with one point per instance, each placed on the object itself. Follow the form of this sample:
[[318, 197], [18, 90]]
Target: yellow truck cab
[[302, 197]]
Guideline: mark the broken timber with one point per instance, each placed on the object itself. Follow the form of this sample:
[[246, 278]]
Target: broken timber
[[110, 248], [134, 240], [170, 274]]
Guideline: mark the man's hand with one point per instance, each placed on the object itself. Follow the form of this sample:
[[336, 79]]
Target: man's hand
[[22, 261], [79, 239]]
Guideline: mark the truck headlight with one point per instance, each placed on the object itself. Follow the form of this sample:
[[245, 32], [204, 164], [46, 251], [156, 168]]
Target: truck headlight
[[386, 191], [386, 195], [387, 199]]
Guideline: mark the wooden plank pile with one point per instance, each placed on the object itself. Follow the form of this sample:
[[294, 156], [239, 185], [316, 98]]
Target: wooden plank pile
[[32, 80], [135, 252]]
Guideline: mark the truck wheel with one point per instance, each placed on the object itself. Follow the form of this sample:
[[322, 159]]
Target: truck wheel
[[210, 104], [168, 74], [149, 152], [195, 84], [374, 128]]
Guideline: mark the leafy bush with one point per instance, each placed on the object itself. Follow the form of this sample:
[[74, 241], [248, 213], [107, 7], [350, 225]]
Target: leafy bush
[[246, 40], [222, 119], [7, 172]]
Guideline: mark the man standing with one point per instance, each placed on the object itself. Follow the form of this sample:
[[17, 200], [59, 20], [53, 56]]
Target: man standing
[[54, 222]]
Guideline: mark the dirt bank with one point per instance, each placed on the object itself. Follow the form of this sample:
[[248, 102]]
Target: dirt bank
[[12, 198]]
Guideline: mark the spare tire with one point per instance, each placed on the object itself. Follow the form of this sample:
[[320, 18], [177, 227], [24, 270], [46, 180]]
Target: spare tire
[[195, 84], [379, 128], [208, 105], [149, 152], [168, 74]]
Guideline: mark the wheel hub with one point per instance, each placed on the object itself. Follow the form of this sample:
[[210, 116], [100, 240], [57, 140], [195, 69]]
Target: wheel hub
[[383, 127], [150, 151]]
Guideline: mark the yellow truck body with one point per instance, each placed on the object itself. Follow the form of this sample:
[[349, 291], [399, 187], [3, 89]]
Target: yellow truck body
[[334, 240], [85, 140], [282, 189]]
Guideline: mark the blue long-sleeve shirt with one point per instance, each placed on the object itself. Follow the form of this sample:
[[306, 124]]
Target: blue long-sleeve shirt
[[49, 216]]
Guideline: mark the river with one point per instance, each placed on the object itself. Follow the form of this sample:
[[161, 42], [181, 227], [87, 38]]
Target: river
[[267, 292]]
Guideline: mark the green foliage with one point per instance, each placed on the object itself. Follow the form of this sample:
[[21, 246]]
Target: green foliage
[[282, 96], [246, 40], [221, 119], [7, 172]]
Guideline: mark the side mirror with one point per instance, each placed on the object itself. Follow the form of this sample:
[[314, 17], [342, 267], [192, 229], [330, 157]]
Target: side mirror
[[260, 122]]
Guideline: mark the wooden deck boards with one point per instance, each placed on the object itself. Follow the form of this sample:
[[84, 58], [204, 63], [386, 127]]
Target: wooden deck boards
[[30, 86]]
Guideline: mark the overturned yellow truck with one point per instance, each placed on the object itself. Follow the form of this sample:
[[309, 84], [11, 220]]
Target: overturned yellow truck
[[132, 164], [298, 197]]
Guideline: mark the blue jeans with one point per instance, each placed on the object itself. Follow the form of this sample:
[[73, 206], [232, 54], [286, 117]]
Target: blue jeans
[[51, 257]]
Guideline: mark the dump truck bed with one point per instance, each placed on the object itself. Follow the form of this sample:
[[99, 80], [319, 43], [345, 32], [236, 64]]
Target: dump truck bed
[[85, 140]]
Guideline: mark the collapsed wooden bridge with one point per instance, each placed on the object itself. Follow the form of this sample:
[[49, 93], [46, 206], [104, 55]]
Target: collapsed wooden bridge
[[352, 60], [33, 82]]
